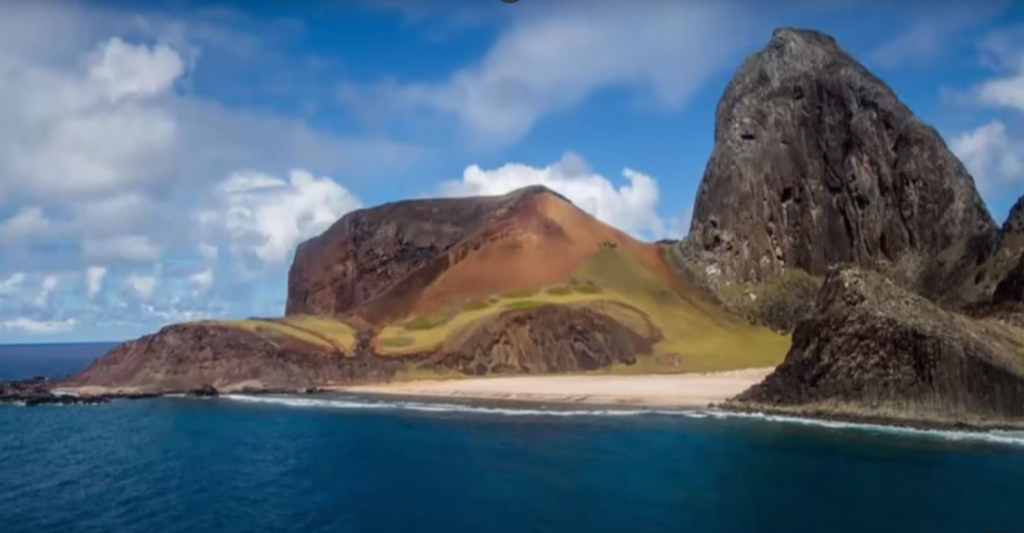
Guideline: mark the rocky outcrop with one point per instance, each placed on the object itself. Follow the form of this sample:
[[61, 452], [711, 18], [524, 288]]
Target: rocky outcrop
[[370, 250], [817, 163], [875, 350], [201, 358], [547, 339]]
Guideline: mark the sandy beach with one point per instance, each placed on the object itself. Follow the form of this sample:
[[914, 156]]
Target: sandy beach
[[660, 390]]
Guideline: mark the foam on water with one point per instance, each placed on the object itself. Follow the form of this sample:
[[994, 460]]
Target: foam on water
[[1015, 438]]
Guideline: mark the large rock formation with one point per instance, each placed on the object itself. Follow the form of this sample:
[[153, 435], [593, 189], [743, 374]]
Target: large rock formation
[[191, 356], [817, 163], [552, 338], [369, 250], [877, 351]]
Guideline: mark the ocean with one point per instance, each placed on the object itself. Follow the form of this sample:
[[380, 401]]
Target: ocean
[[346, 464], [20, 361]]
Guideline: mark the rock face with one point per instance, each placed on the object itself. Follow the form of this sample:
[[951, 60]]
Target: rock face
[[818, 163], [369, 250], [203, 358], [875, 350], [546, 339]]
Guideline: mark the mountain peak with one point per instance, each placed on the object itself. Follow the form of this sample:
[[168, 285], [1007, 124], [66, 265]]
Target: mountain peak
[[817, 163]]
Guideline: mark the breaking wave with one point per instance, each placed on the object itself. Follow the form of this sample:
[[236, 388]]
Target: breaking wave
[[1015, 438]]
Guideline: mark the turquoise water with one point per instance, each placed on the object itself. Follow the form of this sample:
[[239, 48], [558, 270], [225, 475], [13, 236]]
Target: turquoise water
[[241, 465]]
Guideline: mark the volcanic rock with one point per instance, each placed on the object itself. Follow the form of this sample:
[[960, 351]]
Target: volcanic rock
[[205, 357], [817, 163], [875, 350]]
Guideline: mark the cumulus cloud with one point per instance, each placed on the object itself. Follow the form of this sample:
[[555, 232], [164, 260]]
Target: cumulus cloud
[[120, 248], [991, 155], [631, 207], [107, 156], [143, 286], [267, 216], [94, 276], [12, 284], [556, 55], [27, 224], [202, 280], [46, 288], [37, 327]]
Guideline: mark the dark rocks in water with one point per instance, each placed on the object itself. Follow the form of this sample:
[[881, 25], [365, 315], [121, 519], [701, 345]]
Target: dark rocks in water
[[817, 163], [186, 357], [546, 339], [205, 391], [874, 350]]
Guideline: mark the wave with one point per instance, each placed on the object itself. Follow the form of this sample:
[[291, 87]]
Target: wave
[[1015, 438], [432, 407]]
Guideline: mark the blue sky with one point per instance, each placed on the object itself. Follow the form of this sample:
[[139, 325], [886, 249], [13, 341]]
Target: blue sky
[[159, 161]]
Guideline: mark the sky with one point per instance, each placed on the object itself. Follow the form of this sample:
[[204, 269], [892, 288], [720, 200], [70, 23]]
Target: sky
[[161, 160]]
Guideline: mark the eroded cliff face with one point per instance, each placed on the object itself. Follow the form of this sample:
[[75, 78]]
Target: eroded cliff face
[[370, 250], [872, 349], [547, 339], [818, 163], [189, 356]]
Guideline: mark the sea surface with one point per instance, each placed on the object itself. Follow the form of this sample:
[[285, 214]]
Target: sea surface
[[20, 361], [348, 464]]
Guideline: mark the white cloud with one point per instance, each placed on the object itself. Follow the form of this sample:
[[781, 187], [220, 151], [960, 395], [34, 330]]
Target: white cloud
[[74, 132], [123, 70], [94, 280], [12, 284], [203, 280], [46, 288], [27, 224], [143, 286], [631, 207], [121, 248], [268, 216], [992, 157], [562, 53], [38, 327]]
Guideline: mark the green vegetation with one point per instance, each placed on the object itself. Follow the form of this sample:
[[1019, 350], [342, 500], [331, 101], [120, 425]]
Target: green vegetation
[[323, 332], [397, 342], [521, 293], [696, 335], [524, 304], [475, 305], [780, 303], [429, 321], [587, 289]]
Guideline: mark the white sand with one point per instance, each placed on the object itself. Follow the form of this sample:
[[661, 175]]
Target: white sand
[[661, 390]]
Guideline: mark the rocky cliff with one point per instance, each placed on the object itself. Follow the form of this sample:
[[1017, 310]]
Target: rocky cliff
[[816, 163], [189, 356], [369, 250], [874, 350]]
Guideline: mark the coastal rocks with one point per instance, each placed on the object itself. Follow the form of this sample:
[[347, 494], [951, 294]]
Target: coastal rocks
[[817, 163], [206, 391], [207, 357], [543, 340], [874, 350]]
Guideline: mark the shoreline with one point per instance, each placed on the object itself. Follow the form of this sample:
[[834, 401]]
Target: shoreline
[[687, 391]]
